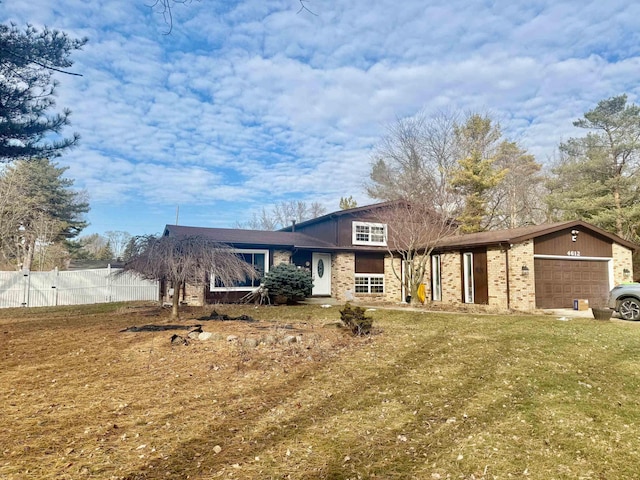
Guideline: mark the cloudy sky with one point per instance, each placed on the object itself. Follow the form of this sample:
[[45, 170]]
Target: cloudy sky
[[246, 104]]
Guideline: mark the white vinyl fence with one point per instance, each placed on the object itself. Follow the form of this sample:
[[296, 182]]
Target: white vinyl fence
[[73, 287]]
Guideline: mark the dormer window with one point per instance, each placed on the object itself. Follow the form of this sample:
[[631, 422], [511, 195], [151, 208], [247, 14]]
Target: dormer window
[[366, 233]]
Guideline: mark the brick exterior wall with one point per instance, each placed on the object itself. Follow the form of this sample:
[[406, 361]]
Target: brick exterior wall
[[522, 287], [451, 271], [281, 256], [497, 278], [343, 270], [194, 295], [621, 260], [392, 286]]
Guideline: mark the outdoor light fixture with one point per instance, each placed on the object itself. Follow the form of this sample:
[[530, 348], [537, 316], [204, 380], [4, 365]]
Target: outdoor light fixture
[[574, 235], [626, 272], [525, 271]]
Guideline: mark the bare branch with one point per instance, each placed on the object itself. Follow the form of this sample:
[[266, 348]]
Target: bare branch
[[181, 260]]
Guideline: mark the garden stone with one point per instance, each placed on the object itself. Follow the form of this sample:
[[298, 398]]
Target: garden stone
[[250, 342]]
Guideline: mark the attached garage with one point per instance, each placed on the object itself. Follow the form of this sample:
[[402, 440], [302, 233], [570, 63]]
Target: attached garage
[[559, 282], [572, 263], [534, 267]]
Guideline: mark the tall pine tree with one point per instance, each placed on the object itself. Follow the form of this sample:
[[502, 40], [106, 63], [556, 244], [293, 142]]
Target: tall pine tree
[[477, 173], [38, 206], [28, 60], [597, 178]]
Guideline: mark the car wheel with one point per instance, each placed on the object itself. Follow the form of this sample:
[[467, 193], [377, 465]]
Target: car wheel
[[630, 309]]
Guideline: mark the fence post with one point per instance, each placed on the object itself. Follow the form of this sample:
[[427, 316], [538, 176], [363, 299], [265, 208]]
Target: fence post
[[108, 283], [55, 287], [26, 286]]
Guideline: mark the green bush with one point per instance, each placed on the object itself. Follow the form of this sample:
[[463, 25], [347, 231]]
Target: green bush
[[286, 281], [355, 319]]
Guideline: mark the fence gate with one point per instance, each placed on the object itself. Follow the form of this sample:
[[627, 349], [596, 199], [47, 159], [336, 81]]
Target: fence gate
[[75, 287]]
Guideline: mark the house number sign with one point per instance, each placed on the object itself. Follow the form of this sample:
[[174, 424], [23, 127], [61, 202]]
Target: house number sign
[[573, 253]]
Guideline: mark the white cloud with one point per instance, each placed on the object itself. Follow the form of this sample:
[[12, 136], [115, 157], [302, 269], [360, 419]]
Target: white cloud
[[249, 103]]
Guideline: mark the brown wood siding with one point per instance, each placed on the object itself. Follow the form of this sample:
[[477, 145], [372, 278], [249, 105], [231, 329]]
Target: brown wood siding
[[325, 231], [480, 276], [587, 244], [480, 280], [560, 282], [369, 262]]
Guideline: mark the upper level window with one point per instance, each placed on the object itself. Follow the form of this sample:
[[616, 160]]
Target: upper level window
[[365, 233]]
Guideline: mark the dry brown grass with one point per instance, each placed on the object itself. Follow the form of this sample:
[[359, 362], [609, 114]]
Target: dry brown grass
[[428, 396]]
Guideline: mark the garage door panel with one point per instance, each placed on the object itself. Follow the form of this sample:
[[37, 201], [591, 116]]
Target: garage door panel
[[559, 282]]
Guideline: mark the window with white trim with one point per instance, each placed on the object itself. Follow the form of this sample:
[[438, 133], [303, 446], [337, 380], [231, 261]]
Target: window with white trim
[[436, 278], [367, 233], [467, 271], [259, 259], [369, 283]]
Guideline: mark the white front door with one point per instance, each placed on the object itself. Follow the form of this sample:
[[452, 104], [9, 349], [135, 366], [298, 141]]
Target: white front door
[[321, 273]]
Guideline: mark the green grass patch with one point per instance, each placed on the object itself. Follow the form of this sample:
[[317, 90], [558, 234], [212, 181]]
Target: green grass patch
[[425, 396]]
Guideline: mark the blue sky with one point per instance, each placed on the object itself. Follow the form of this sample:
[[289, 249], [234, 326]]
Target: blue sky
[[246, 104]]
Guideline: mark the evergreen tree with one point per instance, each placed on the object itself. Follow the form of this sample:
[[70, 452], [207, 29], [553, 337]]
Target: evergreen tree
[[43, 209], [27, 61], [477, 173], [347, 202], [597, 176]]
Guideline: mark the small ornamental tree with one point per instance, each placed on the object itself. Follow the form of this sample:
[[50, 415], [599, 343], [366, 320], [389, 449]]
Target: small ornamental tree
[[287, 280], [181, 260]]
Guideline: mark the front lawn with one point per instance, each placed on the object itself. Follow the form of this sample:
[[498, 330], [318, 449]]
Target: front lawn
[[427, 396]]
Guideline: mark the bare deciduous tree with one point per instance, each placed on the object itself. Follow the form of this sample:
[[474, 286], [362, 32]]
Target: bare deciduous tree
[[519, 199], [165, 7], [283, 214], [181, 260], [414, 162], [412, 166], [117, 241], [413, 231]]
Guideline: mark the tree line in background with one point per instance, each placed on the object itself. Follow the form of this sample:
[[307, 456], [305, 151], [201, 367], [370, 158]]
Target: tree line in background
[[462, 168], [39, 210], [464, 171]]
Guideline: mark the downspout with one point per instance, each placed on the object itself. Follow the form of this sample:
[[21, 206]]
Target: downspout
[[506, 261]]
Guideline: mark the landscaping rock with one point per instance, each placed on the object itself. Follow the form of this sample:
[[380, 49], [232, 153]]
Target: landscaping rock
[[232, 338], [250, 342], [269, 340], [178, 340], [204, 336]]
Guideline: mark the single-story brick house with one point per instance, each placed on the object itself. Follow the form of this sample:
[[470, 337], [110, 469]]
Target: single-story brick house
[[542, 266]]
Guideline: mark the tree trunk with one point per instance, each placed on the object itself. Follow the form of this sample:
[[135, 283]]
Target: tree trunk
[[618, 207], [28, 254], [176, 301]]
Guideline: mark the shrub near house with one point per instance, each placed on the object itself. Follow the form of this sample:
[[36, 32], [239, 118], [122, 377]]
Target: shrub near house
[[287, 283]]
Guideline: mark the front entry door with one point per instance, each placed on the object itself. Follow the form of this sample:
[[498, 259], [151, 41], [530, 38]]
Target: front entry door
[[321, 273]]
